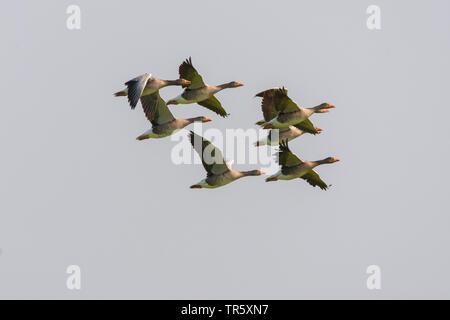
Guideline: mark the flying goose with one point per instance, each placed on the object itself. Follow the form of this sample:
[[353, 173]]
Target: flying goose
[[283, 112], [198, 91], [163, 122], [144, 85], [269, 112], [292, 167], [219, 173]]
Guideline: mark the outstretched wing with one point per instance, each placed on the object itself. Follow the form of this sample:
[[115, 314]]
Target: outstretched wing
[[211, 156], [214, 105], [277, 101], [261, 94], [136, 87], [155, 109], [313, 179], [188, 72], [307, 126], [285, 157], [268, 104], [283, 103]]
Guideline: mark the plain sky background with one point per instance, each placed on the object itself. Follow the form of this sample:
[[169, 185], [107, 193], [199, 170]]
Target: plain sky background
[[77, 188]]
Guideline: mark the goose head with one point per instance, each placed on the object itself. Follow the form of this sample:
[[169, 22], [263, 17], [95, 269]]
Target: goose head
[[235, 84], [183, 82], [199, 119], [322, 108], [330, 160], [232, 84], [253, 173], [205, 119]]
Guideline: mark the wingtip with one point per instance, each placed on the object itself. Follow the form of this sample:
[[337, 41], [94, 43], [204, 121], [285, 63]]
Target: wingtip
[[284, 144]]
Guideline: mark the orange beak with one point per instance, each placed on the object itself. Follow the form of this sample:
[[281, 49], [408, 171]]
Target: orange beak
[[336, 160], [207, 120], [318, 129], [331, 106], [187, 81], [239, 84]]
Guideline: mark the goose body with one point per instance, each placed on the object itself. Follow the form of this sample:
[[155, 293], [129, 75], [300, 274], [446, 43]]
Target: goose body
[[197, 95], [219, 172], [292, 167], [289, 173], [281, 112], [169, 128], [219, 180], [287, 134], [284, 120], [200, 92], [193, 96]]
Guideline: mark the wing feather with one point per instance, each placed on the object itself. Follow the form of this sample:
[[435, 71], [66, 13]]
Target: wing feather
[[155, 109], [285, 157], [214, 105], [307, 126], [212, 158], [188, 72], [283, 103], [136, 87], [276, 101], [268, 105], [314, 179]]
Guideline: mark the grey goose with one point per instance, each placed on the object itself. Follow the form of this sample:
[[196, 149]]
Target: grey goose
[[292, 167], [284, 112], [144, 85], [163, 122], [200, 92], [218, 172]]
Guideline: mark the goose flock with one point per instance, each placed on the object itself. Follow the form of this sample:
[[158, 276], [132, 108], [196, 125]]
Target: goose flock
[[283, 119]]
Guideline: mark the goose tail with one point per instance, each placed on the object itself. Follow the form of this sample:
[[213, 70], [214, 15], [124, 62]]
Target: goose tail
[[120, 93], [143, 137], [272, 178]]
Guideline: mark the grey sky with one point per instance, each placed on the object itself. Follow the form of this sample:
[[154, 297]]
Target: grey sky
[[77, 188]]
